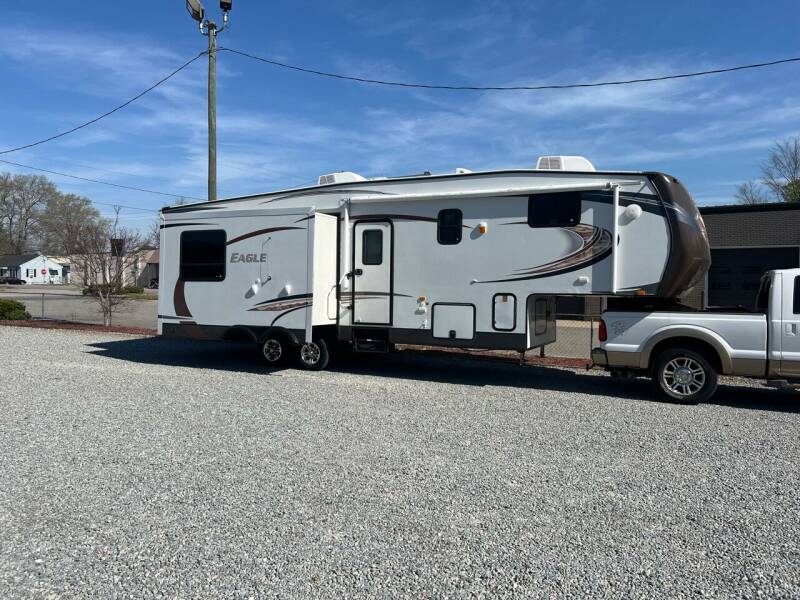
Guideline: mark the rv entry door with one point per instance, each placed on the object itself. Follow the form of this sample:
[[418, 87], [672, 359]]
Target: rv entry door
[[372, 273]]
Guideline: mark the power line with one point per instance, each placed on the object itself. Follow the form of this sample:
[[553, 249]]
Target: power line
[[563, 86], [110, 112], [99, 181]]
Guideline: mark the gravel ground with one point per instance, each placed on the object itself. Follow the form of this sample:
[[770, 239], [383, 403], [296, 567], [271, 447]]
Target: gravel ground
[[132, 467]]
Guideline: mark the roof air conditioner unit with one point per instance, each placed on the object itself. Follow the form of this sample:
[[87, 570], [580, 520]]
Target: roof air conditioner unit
[[340, 177], [564, 163]]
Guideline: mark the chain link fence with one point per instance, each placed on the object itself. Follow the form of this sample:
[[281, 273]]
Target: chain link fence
[[576, 335], [71, 305]]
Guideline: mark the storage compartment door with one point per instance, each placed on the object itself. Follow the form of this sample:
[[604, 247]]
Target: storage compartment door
[[453, 321], [541, 320]]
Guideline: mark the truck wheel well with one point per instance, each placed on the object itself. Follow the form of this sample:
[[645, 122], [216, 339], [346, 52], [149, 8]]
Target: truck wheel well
[[703, 348]]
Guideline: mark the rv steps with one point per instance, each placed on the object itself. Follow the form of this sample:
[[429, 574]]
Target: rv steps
[[370, 341]]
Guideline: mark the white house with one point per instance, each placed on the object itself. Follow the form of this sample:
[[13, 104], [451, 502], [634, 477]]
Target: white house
[[33, 268]]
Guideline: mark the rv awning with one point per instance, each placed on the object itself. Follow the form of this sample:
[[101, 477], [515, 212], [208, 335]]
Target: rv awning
[[521, 191]]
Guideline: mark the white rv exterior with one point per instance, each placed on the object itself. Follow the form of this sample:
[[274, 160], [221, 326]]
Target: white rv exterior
[[468, 259]]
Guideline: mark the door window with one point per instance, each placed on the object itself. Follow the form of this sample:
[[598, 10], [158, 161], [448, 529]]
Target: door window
[[372, 246]]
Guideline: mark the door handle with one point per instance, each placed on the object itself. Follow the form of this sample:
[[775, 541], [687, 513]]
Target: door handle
[[790, 328], [355, 273]]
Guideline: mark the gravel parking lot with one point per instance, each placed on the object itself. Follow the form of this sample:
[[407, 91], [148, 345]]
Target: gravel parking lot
[[139, 467]]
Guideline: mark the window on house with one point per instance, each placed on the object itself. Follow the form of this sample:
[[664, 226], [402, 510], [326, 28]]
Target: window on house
[[372, 247], [203, 255], [449, 226], [561, 209]]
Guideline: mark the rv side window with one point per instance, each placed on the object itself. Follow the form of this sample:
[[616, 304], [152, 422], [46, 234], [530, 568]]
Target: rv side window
[[562, 209], [372, 247], [203, 255], [449, 223], [796, 309]]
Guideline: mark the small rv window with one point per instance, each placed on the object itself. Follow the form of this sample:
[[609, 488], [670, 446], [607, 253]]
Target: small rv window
[[372, 247], [203, 255], [449, 226], [796, 309], [562, 209]]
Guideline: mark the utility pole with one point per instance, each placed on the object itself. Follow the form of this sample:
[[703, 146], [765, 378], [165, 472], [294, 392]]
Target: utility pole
[[209, 29], [212, 111]]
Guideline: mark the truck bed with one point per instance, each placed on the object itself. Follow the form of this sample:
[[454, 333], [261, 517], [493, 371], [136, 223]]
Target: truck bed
[[740, 338]]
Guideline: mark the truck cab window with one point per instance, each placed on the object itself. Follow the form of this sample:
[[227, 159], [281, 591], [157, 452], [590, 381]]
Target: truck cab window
[[372, 247], [796, 297], [203, 255], [561, 209], [448, 228]]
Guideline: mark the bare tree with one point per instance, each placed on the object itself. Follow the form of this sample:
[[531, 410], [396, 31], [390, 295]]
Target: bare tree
[[154, 234], [750, 192], [22, 200], [780, 176], [781, 172], [105, 252], [62, 217]]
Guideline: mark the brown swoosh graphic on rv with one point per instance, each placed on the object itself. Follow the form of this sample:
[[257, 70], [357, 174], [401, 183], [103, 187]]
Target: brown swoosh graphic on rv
[[595, 246], [179, 299], [259, 232], [283, 303]]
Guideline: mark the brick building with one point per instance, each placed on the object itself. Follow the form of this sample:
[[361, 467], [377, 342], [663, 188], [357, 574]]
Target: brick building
[[747, 240]]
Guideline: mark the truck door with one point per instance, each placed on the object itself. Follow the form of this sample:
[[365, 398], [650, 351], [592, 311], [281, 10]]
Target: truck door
[[790, 326], [372, 273]]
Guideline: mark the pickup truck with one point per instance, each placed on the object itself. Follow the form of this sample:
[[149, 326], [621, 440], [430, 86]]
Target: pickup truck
[[683, 351]]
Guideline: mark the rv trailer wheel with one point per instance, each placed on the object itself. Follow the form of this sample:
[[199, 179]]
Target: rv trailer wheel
[[272, 349], [314, 355]]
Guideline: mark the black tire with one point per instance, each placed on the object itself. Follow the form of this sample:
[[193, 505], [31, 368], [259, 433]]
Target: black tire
[[274, 350], [313, 356], [684, 376]]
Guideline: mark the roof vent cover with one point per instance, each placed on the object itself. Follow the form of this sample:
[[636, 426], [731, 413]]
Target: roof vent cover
[[564, 163], [340, 177]]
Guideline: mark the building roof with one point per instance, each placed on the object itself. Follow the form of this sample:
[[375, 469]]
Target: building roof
[[15, 260], [748, 208], [154, 257]]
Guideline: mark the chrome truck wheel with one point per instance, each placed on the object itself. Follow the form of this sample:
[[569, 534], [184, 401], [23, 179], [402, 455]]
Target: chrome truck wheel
[[683, 375]]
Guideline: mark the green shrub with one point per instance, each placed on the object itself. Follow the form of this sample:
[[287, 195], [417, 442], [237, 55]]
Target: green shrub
[[11, 310], [132, 289], [93, 289]]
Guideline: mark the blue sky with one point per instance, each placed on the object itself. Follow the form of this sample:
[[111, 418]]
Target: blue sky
[[63, 63]]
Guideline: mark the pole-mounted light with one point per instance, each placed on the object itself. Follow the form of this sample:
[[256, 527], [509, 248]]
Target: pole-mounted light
[[196, 9], [211, 30]]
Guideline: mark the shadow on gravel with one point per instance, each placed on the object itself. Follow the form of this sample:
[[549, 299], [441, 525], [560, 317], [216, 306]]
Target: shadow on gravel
[[429, 366]]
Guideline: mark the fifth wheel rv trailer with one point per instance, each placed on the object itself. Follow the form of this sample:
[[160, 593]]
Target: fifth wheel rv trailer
[[462, 260]]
